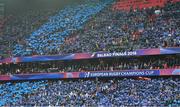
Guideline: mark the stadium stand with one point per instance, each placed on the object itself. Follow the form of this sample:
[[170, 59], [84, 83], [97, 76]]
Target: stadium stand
[[18, 26], [110, 92], [109, 30], [108, 64], [10, 92], [50, 35], [108, 21], [93, 26]]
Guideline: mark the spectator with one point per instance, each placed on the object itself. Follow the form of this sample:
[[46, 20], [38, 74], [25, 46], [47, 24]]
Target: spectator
[[150, 62], [72, 31], [99, 92]]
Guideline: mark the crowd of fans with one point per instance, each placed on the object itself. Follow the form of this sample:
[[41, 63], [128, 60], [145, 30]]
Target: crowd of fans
[[90, 27], [109, 92], [10, 92], [16, 27], [120, 31], [49, 36], [109, 30], [109, 64]]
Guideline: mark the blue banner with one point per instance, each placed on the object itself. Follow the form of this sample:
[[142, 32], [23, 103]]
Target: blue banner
[[120, 73], [92, 74], [140, 52]]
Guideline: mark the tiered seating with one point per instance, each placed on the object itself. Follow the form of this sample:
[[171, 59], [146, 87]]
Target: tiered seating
[[17, 26], [3, 42], [96, 93], [2, 21], [10, 93], [51, 34], [72, 31], [115, 31]]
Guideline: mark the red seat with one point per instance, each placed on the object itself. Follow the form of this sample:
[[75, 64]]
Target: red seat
[[127, 4]]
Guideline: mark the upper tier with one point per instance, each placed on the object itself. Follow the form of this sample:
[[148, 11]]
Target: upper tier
[[90, 27]]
